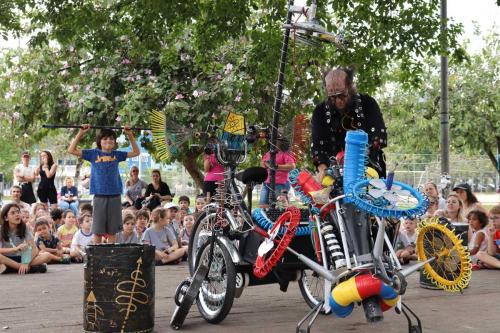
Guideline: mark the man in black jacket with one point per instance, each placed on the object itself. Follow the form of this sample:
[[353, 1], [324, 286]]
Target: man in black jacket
[[346, 109]]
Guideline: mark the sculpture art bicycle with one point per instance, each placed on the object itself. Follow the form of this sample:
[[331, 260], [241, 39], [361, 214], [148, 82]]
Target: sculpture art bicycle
[[230, 250]]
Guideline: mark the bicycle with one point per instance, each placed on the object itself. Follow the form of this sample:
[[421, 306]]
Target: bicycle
[[226, 230]]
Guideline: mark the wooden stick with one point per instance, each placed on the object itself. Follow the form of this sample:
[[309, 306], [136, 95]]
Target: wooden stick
[[98, 127]]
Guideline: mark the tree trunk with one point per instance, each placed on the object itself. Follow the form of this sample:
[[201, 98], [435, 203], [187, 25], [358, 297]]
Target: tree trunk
[[490, 154], [78, 168], [192, 168]]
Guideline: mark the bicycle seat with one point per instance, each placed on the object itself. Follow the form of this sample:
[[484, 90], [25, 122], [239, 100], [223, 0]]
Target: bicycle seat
[[252, 175]]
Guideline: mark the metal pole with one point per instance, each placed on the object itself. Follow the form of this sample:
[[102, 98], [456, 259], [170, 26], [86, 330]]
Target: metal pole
[[277, 105], [445, 125]]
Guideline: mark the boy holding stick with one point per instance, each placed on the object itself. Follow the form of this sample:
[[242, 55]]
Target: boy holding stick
[[105, 181]]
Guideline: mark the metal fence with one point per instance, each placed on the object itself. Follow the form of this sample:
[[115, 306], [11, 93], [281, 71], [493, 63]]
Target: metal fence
[[416, 169]]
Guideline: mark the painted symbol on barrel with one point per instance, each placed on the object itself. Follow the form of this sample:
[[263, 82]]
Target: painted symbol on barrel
[[93, 311], [130, 294]]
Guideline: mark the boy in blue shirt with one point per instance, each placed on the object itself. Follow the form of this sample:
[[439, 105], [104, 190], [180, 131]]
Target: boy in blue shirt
[[105, 182]]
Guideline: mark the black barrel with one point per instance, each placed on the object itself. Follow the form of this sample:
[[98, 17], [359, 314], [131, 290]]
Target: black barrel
[[119, 288]]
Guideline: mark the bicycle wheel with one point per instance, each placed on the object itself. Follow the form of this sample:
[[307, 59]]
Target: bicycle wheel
[[312, 286], [402, 200], [451, 270], [218, 289], [202, 230]]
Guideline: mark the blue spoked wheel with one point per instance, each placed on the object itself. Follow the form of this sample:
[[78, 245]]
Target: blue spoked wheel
[[401, 200]]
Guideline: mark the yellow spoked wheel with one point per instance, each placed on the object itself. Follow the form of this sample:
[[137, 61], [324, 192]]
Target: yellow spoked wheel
[[451, 270]]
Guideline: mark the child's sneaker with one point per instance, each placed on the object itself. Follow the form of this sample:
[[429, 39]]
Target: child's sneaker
[[38, 268], [3, 268], [66, 259]]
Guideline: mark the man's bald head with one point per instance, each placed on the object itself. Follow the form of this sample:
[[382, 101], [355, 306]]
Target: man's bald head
[[343, 75], [338, 86]]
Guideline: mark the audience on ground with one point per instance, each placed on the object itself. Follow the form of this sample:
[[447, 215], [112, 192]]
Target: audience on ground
[[69, 196], [432, 208], [477, 234], [469, 200], [491, 257], [82, 238], [15, 193], [199, 203], [454, 209], [405, 242], [186, 230], [134, 188], [166, 247], [128, 234], [142, 221], [17, 244], [46, 241], [432, 192], [33, 235], [184, 204], [66, 231], [156, 192]]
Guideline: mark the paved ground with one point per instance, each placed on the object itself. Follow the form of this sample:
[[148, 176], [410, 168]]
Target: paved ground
[[52, 302]]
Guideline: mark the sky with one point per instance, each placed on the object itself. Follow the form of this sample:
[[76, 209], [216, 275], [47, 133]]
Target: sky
[[484, 12]]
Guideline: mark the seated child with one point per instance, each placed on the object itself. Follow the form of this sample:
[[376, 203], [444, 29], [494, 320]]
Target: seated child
[[491, 257], [166, 247], [47, 242], [199, 203], [127, 235], [56, 216], [181, 213], [477, 234], [141, 222], [67, 230], [85, 208], [186, 230], [174, 224], [184, 204], [25, 217], [406, 241], [82, 238]]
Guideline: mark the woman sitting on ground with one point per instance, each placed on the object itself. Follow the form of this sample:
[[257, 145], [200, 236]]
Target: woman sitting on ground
[[133, 187], [468, 198], [17, 244], [156, 192], [69, 196], [454, 209]]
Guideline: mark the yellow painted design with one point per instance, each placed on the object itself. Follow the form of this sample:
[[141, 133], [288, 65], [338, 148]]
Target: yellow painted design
[[129, 295], [235, 124], [346, 292], [451, 270], [93, 311], [91, 297]]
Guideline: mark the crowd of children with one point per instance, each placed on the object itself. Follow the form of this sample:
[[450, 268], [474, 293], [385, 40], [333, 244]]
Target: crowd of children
[[482, 236], [30, 241]]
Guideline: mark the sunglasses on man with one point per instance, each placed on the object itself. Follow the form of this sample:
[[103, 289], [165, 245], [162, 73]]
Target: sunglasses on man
[[342, 95]]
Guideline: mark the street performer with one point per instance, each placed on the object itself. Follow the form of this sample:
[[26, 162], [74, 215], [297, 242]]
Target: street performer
[[345, 109]]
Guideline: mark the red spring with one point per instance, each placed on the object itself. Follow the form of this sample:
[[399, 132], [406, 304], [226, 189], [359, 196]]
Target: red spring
[[317, 247], [263, 266]]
